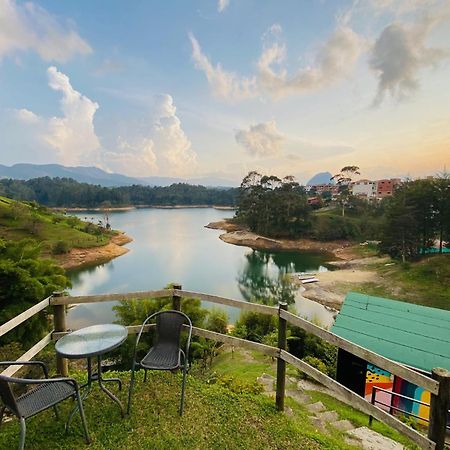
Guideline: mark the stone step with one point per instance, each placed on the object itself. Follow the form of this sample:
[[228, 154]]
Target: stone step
[[299, 397], [371, 440], [328, 416], [316, 407], [343, 425]]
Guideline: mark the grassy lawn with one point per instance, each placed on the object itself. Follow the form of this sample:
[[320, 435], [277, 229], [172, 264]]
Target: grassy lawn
[[214, 418], [20, 220]]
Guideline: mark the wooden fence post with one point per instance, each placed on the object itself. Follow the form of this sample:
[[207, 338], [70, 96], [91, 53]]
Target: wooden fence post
[[439, 408], [176, 299], [59, 324], [281, 364]]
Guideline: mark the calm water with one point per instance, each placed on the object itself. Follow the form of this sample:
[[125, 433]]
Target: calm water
[[172, 245]]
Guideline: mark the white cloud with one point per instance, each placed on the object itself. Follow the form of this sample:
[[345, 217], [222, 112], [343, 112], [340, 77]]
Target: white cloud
[[26, 26], [222, 5], [262, 139], [226, 85], [136, 159], [334, 60], [72, 135], [174, 151], [400, 52], [26, 116]]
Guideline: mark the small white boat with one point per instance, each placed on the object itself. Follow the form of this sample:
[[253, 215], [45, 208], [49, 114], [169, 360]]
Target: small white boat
[[309, 280], [305, 275]]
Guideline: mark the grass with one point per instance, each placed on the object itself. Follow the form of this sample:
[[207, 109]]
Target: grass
[[425, 282], [358, 418], [19, 220], [214, 418]]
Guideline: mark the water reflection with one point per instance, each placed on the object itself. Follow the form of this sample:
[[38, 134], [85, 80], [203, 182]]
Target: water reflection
[[173, 246]]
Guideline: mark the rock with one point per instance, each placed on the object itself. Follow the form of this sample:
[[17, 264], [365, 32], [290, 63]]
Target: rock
[[288, 411], [319, 424], [299, 397], [316, 407], [267, 381], [371, 440], [328, 416], [343, 425]]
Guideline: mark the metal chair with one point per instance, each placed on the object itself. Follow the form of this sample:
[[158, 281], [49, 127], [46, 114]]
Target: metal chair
[[47, 393], [166, 353]]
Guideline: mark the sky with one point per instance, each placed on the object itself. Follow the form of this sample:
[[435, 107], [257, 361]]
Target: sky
[[221, 87]]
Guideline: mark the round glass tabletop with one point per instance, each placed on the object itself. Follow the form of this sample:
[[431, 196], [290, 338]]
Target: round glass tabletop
[[91, 341]]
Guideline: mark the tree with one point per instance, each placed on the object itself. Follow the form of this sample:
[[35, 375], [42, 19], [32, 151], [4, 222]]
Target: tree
[[442, 208], [343, 180]]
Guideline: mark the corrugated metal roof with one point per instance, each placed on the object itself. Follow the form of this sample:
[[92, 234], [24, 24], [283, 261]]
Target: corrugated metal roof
[[415, 335]]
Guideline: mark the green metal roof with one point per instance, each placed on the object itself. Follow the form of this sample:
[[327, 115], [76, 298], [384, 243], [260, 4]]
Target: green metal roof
[[415, 335]]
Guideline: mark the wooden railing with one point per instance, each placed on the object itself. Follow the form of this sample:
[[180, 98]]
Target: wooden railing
[[438, 385]]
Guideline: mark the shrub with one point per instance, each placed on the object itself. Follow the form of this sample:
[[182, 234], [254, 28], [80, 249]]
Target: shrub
[[314, 362], [60, 248]]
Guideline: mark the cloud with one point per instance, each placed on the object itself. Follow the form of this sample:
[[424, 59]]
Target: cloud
[[334, 60], [135, 159], [222, 5], [262, 139], [26, 116], [172, 146], [400, 52], [72, 135], [27, 26], [226, 85]]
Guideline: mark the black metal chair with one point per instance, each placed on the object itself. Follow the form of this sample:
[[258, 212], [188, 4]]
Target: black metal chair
[[47, 394], [166, 353]]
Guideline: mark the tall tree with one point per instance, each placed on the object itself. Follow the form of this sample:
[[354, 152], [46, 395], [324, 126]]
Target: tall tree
[[344, 179]]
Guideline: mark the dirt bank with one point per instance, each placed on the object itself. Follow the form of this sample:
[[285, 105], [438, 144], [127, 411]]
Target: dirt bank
[[238, 236], [78, 257], [352, 270]]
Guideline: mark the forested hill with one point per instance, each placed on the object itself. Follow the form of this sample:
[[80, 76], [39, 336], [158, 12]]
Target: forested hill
[[66, 192]]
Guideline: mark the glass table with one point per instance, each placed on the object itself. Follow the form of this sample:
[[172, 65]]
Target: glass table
[[89, 342]]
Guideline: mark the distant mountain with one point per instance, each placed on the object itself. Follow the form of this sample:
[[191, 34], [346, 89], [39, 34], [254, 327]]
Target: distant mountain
[[94, 175], [320, 178]]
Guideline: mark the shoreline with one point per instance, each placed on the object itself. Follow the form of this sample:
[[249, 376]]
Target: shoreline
[[80, 257], [350, 268], [132, 207]]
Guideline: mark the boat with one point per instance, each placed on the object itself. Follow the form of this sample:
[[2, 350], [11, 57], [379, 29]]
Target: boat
[[309, 280]]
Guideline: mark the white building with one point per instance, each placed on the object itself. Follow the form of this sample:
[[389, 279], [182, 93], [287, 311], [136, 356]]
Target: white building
[[364, 188]]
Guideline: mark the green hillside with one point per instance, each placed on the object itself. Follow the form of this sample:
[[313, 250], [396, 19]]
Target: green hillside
[[55, 232]]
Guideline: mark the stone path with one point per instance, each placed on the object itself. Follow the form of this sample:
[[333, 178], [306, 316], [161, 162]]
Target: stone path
[[325, 420]]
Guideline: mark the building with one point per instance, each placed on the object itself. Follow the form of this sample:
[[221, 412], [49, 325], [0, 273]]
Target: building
[[364, 188], [413, 335], [386, 188]]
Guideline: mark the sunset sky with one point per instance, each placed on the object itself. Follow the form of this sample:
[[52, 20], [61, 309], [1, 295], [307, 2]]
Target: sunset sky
[[222, 87]]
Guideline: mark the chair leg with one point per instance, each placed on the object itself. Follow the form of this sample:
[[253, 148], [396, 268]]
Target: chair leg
[[145, 375], [83, 419], [2, 411], [183, 385], [23, 432], [55, 408], [130, 391]]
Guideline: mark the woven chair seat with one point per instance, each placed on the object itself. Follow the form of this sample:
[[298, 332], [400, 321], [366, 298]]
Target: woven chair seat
[[43, 396], [162, 357]]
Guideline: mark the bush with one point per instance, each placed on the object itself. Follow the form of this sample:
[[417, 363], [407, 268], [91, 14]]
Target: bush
[[314, 362], [235, 385], [60, 248], [217, 321]]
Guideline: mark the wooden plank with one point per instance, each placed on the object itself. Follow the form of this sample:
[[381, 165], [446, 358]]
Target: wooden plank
[[68, 300], [30, 312], [255, 307], [358, 402], [237, 342], [28, 355], [132, 329], [378, 360]]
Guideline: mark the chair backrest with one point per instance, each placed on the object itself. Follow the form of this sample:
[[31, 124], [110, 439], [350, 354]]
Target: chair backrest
[[7, 395], [169, 325]]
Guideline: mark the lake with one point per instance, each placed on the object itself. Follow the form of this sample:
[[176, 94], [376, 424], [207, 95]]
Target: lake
[[173, 245]]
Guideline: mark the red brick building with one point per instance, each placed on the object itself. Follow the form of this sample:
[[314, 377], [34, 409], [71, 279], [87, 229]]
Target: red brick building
[[385, 188]]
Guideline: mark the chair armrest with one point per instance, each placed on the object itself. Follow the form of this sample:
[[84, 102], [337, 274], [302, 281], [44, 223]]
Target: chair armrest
[[26, 363], [26, 381]]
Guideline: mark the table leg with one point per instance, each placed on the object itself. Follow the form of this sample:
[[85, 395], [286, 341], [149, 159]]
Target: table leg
[[104, 389], [87, 387]]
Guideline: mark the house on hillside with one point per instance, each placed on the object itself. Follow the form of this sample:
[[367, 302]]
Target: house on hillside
[[413, 335]]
